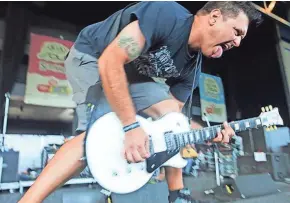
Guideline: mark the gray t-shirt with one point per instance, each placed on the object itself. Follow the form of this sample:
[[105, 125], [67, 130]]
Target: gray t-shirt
[[166, 27]]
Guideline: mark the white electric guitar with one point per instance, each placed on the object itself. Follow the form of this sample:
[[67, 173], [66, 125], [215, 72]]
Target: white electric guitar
[[168, 135]]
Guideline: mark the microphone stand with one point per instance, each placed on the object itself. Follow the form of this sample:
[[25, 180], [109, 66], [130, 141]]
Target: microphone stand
[[216, 158]]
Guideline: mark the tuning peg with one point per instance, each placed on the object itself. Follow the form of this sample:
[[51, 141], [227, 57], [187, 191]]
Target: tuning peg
[[267, 129], [263, 109], [267, 108], [275, 127], [270, 107], [271, 128]]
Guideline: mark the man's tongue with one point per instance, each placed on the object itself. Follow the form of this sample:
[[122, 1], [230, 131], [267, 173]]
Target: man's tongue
[[218, 53]]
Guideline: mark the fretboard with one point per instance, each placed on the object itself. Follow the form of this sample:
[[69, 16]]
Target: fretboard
[[179, 140]]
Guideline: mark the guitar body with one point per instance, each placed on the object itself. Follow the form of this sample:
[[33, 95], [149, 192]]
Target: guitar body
[[104, 151]]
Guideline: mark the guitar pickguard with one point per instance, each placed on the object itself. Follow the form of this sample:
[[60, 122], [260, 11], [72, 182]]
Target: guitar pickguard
[[157, 159]]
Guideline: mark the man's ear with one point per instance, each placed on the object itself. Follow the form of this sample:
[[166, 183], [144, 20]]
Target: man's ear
[[214, 16]]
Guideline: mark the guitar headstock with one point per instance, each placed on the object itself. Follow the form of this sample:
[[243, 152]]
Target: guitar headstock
[[270, 117]]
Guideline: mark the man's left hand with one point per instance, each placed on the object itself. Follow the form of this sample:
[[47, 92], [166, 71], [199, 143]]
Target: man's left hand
[[225, 135]]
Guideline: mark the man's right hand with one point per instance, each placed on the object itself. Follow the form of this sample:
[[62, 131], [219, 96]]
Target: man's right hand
[[136, 145]]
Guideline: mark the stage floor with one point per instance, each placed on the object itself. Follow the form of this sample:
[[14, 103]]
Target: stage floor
[[197, 186]]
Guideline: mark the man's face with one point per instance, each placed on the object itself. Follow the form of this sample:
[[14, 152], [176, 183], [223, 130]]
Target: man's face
[[223, 33]]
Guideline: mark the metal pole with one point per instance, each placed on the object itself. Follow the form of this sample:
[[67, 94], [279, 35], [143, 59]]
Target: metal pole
[[7, 101], [216, 158], [217, 168], [1, 168]]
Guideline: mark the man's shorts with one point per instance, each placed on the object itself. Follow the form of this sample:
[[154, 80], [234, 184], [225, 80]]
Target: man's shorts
[[83, 75]]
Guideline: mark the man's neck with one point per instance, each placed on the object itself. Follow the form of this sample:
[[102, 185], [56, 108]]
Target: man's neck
[[195, 35]]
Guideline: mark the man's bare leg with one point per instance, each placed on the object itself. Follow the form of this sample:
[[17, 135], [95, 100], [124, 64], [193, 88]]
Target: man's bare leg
[[174, 178], [65, 164]]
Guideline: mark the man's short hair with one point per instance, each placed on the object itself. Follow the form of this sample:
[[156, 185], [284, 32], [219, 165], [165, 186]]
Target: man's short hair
[[233, 8]]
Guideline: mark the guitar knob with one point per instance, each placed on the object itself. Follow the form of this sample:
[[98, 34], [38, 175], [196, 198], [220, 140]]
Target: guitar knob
[[129, 170], [115, 173]]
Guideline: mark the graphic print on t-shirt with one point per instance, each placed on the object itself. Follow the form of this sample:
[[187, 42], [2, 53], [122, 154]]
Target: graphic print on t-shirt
[[157, 63]]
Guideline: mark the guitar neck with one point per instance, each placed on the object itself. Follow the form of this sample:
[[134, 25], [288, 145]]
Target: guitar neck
[[179, 140]]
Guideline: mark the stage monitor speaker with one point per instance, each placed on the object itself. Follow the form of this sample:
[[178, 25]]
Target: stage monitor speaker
[[85, 195], [277, 165], [150, 193], [246, 186], [10, 166]]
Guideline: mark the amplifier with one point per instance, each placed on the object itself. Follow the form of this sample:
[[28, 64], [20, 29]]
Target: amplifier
[[261, 140], [47, 153], [286, 149], [277, 164], [10, 162]]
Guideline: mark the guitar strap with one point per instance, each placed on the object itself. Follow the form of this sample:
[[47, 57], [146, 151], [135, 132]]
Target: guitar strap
[[116, 24], [196, 70]]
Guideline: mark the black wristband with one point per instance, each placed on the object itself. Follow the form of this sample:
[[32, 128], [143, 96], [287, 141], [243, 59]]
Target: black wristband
[[131, 126]]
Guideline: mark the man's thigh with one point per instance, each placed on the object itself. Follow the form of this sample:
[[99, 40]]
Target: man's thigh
[[149, 98], [152, 99], [83, 76]]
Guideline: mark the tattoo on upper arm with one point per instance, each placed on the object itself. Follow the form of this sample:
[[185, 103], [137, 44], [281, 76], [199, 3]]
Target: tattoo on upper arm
[[130, 45]]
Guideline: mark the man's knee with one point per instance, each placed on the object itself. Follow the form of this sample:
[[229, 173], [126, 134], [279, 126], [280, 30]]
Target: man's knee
[[161, 108]]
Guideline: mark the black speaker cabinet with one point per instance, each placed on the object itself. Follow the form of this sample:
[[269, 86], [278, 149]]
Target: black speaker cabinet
[[277, 165], [10, 166], [47, 153], [149, 193], [248, 144], [259, 139], [84, 196]]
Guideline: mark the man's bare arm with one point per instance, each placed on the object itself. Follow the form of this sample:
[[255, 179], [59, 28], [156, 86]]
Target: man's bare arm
[[126, 47], [194, 125]]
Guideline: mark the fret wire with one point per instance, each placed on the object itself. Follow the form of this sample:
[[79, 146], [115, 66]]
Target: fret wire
[[199, 135], [176, 140], [202, 134], [189, 137], [196, 133], [180, 140], [210, 132], [183, 140], [180, 143], [186, 138], [193, 137]]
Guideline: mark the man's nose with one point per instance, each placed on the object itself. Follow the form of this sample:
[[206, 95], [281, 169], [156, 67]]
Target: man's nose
[[237, 41]]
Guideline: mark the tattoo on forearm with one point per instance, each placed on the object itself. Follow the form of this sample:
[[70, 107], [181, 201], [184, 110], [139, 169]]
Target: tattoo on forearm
[[130, 45]]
